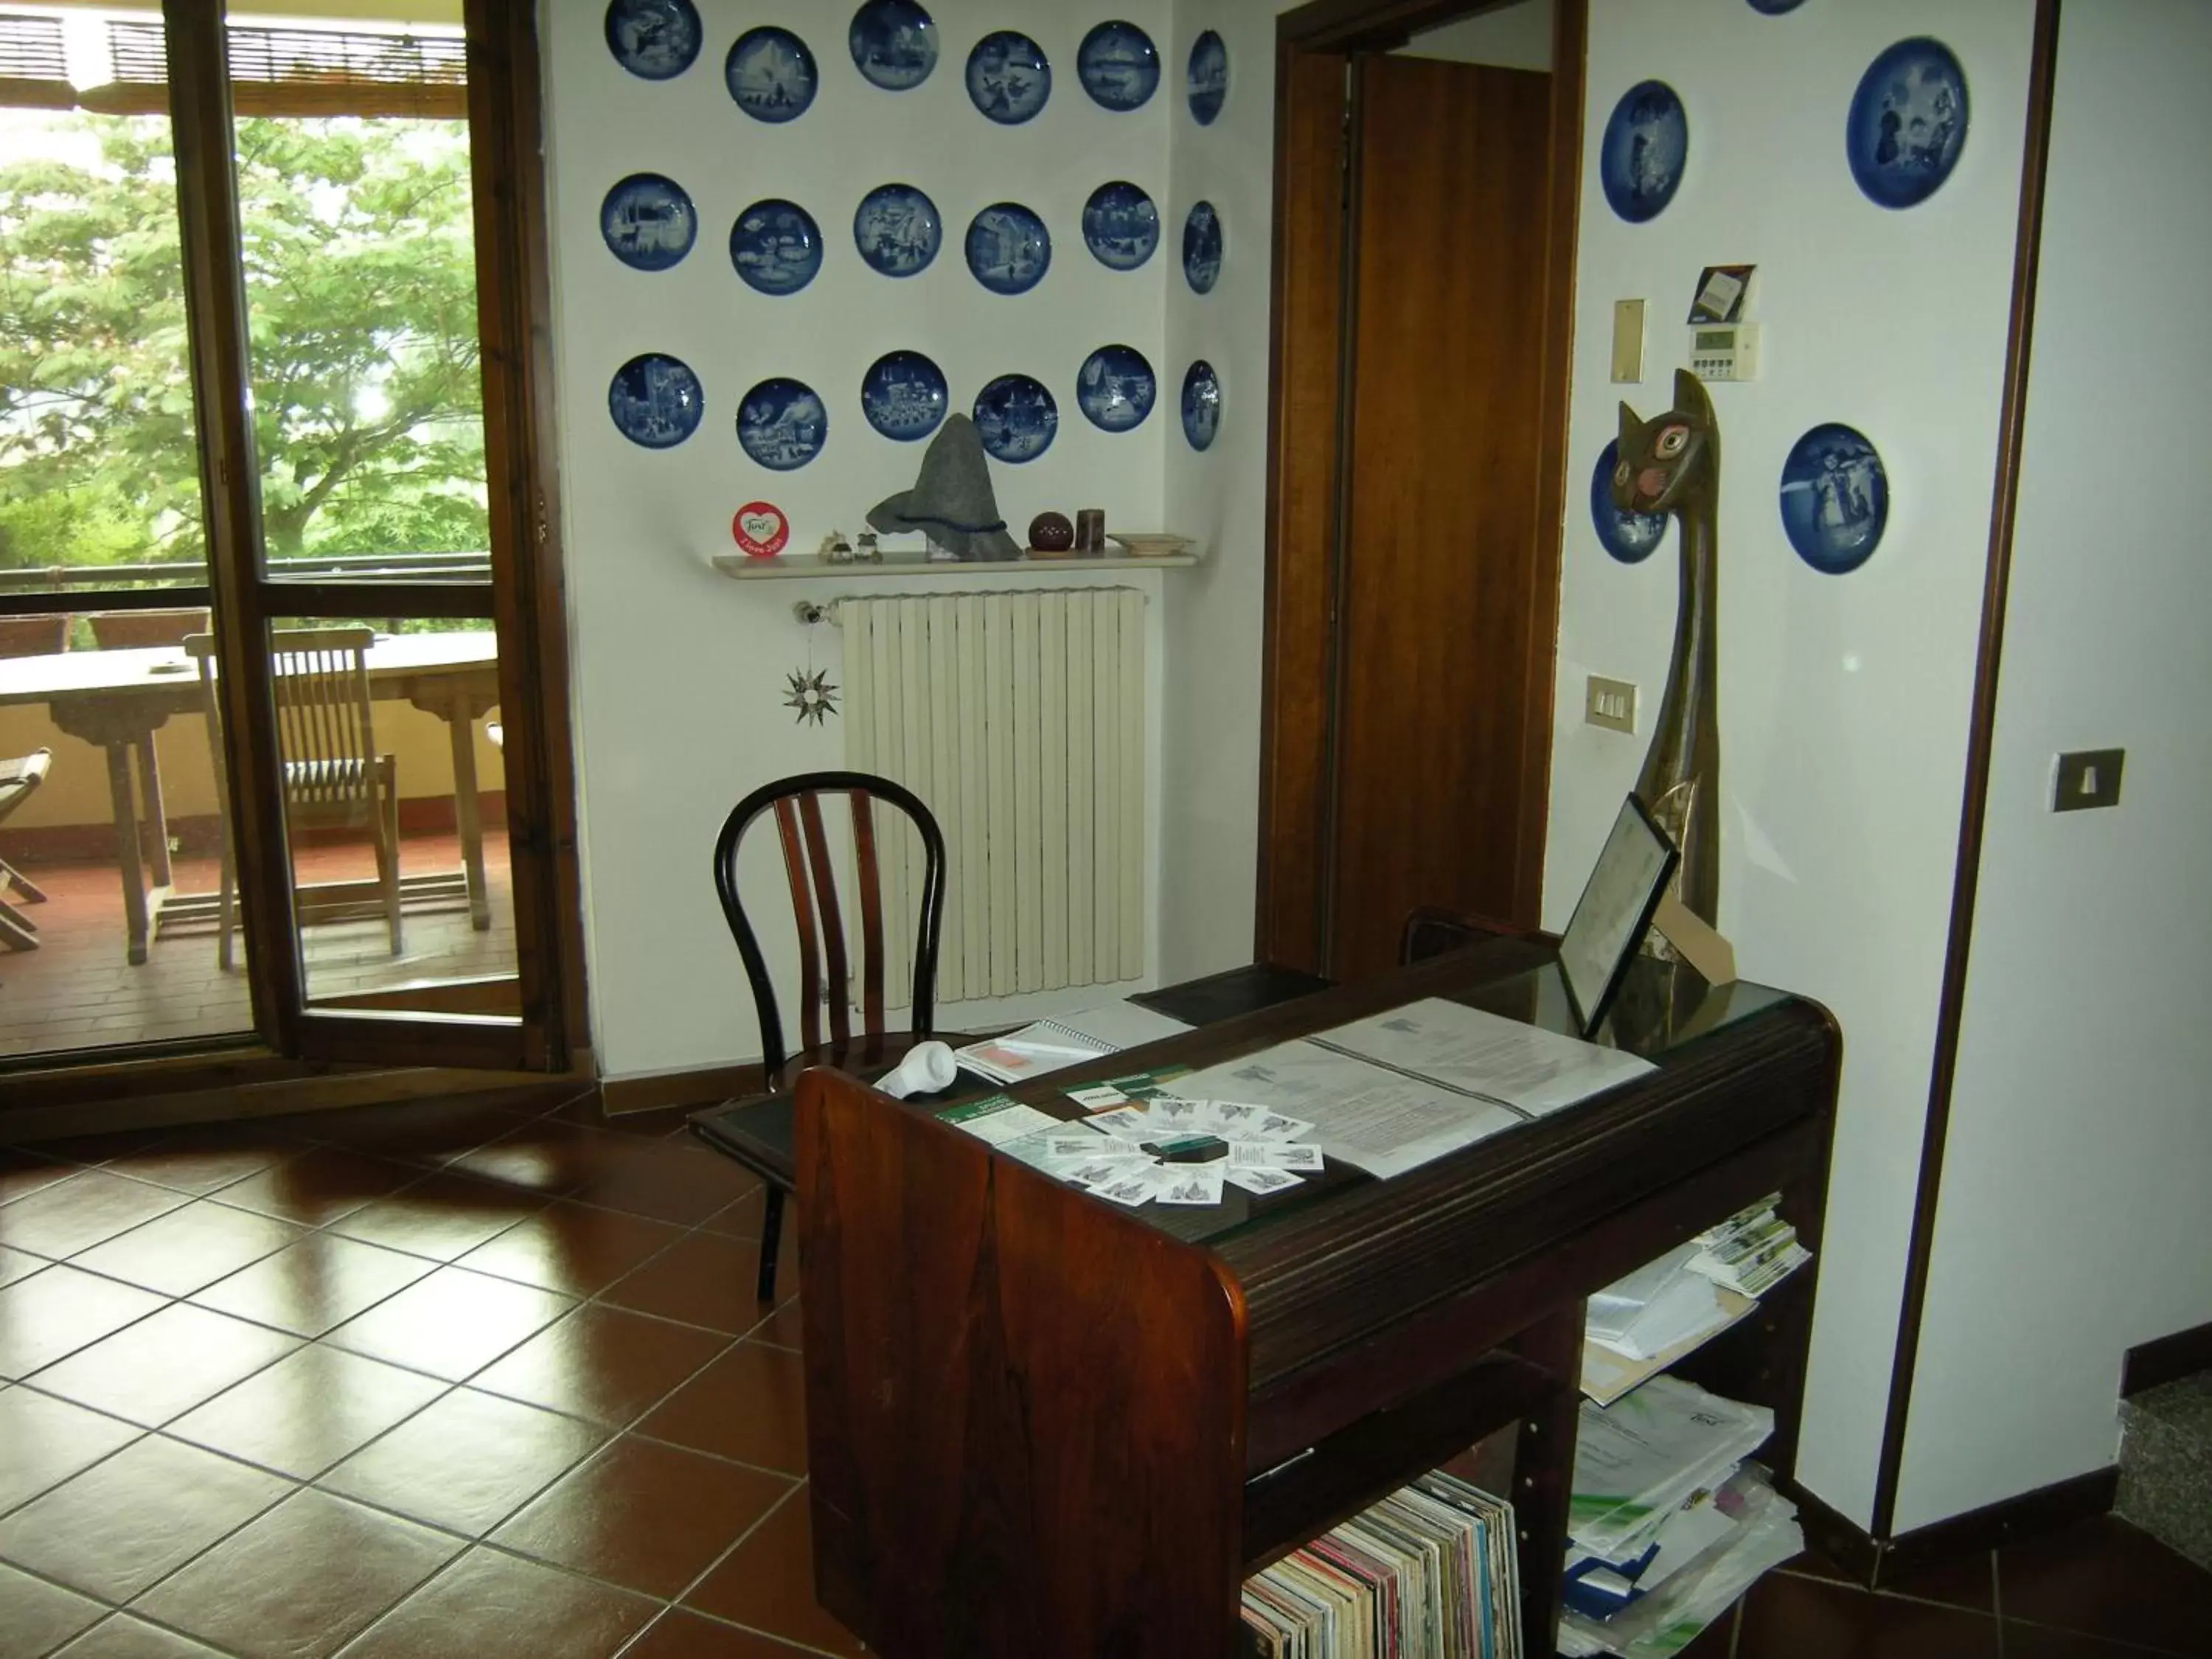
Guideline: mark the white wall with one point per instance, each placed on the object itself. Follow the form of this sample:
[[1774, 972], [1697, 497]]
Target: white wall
[[2071, 1224], [1517, 36], [1844, 700]]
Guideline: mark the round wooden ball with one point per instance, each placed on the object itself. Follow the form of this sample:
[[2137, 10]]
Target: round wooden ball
[[1051, 533]]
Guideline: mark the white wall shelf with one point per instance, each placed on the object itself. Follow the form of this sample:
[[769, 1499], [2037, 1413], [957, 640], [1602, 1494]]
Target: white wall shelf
[[744, 569]]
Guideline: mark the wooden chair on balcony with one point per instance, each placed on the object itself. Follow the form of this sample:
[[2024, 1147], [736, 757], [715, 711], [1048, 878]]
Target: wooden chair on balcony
[[18, 780], [334, 777]]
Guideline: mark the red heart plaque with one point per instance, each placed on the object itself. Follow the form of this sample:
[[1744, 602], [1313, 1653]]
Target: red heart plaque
[[761, 530]]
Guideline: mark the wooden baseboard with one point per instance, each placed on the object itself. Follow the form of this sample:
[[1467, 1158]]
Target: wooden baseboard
[[662, 1089], [1877, 1562], [2165, 1359]]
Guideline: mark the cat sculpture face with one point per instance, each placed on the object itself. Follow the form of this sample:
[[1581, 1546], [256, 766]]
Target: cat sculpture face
[[1666, 462]]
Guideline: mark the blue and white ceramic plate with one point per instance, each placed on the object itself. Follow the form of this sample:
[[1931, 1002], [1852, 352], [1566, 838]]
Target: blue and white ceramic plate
[[776, 246], [1908, 123], [1120, 225], [1202, 404], [1201, 248], [1118, 65], [1015, 417], [771, 74], [1207, 79], [1009, 249], [1116, 389], [782, 424], [1775, 8], [894, 44], [1008, 77], [895, 228], [1631, 538], [1646, 144], [1835, 498], [903, 395], [648, 221], [653, 39], [655, 400]]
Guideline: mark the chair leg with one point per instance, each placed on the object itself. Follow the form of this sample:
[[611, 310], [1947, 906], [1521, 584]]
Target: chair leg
[[11, 876], [771, 1242], [387, 849], [227, 902]]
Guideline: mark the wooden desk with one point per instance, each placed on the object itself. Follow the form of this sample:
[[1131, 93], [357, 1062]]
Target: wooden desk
[[1040, 1424], [116, 701]]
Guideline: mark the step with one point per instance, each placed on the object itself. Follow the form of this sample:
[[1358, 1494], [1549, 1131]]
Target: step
[[2165, 1465]]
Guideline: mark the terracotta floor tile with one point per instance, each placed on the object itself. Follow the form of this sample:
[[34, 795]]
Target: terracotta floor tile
[[452, 1324], [44, 1441], [19, 1264], [703, 1280], [685, 1635], [23, 1172], [743, 1219], [78, 1213], [465, 1462], [60, 1311], [300, 1581], [766, 1583], [545, 1155], [200, 1161], [36, 1617], [188, 1248], [2039, 1641], [656, 1123], [490, 1606], [645, 1515], [1964, 1581], [750, 1405], [319, 1186], [122, 1637], [126, 1522], [2102, 1578], [782, 1328], [417, 1130], [669, 1180], [315, 1285], [572, 1248], [308, 1411], [1791, 1618], [443, 1215], [603, 1364], [165, 1365]]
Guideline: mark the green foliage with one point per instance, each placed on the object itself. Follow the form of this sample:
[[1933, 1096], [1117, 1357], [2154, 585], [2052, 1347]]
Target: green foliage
[[356, 239]]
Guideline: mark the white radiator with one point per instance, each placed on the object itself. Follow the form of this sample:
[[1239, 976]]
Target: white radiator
[[1018, 718]]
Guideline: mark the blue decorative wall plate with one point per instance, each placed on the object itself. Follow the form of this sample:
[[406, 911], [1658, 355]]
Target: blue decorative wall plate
[[1646, 143], [1116, 389], [1120, 225], [1118, 64], [1631, 537], [655, 400], [1015, 417], [1202, 404], [1775, 8], [1008, 77], [903, 395], [1201, 248], [782, 424], [1206, 80], [1008, 248], [653, 39], [648, 221], [1908, 123], [895, 228], [776, 246], [1835, 498], [894, 44], [771, 74]]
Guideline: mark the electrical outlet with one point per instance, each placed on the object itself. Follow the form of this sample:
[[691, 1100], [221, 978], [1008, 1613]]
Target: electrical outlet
[[2086, 778], [1611, 704]]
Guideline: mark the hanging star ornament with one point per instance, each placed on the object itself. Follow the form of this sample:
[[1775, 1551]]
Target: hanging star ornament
[[813, 695]]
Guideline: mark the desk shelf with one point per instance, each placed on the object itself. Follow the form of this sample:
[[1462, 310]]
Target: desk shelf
[[787, 565]]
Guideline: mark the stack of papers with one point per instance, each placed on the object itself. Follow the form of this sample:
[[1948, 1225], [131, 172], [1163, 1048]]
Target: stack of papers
[[1049, 1045], [1640, 1325], [1751, 1252]]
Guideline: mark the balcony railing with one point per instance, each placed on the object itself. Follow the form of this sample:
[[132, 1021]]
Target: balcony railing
[[457, 567]]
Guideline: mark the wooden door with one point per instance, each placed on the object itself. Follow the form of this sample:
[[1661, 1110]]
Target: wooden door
[[1443, 661]]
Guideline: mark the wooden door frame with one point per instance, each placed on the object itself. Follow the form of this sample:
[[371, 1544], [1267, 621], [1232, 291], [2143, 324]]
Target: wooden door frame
[[1311, 311]]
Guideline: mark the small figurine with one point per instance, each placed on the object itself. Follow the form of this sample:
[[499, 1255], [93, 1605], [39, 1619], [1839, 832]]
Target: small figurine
[[1090, 530], [1051, 533], [867, 550], [835, 549]]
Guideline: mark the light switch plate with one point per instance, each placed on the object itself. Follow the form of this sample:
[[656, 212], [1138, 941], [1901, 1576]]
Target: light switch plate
[[1627, 341], [1611, 704], [2086, 778]]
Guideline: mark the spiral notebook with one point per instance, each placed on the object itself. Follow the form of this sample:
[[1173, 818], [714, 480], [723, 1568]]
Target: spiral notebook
[[1049, 1045]]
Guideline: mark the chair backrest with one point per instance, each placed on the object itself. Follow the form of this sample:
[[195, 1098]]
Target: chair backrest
[[131, 630], [20, 778], [321, 681], [796, 804], [33, 636]]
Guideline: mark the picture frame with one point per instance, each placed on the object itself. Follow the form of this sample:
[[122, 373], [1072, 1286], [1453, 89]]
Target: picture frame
[[1614, 911]]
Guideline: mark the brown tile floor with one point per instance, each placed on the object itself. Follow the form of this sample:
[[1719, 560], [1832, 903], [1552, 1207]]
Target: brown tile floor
[[482, 1377]]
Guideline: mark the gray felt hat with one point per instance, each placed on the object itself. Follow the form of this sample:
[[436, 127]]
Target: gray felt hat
[[951, 499]]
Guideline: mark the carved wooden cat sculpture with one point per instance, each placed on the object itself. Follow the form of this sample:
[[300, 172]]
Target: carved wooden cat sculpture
[[1671, 463]]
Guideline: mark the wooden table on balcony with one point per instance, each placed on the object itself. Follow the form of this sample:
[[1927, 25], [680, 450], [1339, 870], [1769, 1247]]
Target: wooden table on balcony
[[116, 700]]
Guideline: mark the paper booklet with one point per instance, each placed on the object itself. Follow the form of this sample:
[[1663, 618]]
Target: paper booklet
[[1049, 1045]]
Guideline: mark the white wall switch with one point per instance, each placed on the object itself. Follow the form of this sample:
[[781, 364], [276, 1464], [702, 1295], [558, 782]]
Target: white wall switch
[[1610, 703], [1627, 341]]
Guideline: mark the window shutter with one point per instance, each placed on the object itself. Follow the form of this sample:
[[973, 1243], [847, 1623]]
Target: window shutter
[[33, 64]]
